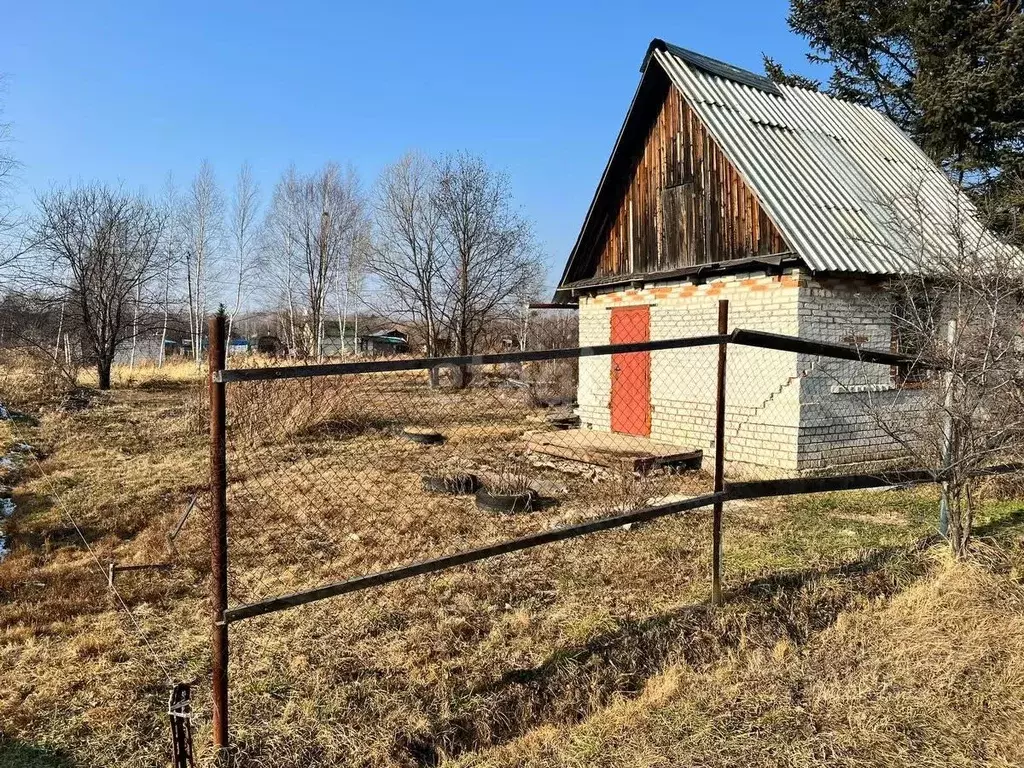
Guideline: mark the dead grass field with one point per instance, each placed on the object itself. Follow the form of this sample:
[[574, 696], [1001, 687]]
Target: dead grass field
[[842, 643]]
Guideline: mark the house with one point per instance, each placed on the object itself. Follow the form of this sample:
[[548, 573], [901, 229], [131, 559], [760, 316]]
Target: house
[[334, 342], [238, 345], [796, 207], [391, 341]]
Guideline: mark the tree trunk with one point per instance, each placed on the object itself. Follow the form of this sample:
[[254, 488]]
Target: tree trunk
[[960, 518], [238, 297], [431, 351], [163, 342], [135, 331], [60, 330], [463, 373], [463, 376], [163, 333], [343, 323], [103, 373], [342, 311]]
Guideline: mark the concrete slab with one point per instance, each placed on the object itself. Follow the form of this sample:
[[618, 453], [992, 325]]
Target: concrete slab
[[613, 450]]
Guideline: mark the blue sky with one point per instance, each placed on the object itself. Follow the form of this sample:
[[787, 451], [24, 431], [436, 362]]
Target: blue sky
[[127, 92]]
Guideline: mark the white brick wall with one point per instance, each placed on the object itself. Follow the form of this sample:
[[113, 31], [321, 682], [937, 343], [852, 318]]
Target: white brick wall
[[762, 385], [595, 379], [849, 409], [787, 413]]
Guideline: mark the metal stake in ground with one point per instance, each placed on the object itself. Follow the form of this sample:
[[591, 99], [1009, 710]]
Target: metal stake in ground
[[180, 711], [716, 530], [219, 533]]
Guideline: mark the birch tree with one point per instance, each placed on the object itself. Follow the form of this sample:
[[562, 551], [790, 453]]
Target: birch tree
[[350, 278], [279, 253], [172, 263], [316, 220], [202, 229], [244, 237]]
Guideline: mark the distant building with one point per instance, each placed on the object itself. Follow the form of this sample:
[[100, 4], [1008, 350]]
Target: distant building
[[238, 345], [335, 343], [388, 342]]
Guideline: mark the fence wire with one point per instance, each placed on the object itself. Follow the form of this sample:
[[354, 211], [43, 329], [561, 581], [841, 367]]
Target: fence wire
[[332, 477], [338, 476]]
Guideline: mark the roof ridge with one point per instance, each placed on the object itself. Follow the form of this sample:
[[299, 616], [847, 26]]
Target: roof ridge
[[711, 65]]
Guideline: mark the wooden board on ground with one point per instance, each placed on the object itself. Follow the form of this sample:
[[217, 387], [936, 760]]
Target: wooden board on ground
[[610, 449]]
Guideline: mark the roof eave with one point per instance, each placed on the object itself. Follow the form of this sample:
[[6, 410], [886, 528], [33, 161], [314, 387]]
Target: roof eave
[[566, 293]]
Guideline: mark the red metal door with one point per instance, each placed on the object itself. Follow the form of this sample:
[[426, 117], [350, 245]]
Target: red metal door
[[631, 372]]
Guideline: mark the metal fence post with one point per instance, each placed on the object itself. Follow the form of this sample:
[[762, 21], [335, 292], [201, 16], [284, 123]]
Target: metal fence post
[[716, 530], [217, 357]]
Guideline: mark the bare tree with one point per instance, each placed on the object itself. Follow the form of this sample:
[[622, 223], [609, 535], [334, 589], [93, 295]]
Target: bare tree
[[350, 278], [957, 310], [407, 257], [202, 228], [452, 254], [316, 220], [96, 250], [173, 262], [490, 257], [10, 248], [279, 249], [244, 236]]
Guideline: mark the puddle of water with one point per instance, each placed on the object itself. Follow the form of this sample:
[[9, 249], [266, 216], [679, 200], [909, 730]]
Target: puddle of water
[[6, 510], [9, 464]]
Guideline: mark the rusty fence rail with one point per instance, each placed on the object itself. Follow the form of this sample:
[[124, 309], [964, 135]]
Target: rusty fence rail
[[333, 478]]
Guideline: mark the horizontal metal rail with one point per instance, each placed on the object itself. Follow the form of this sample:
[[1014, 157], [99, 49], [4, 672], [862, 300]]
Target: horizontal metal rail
[[794, 486], [800, 345], [425, 363], [739, 336], [743, 490], [469, 556]]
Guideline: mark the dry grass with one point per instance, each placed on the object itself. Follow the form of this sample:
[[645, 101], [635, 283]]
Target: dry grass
[[597, 651], [933, 676], [30, 380]]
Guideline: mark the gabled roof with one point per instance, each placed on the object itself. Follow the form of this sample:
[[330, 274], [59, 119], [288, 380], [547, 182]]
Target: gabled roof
[[711, 66], [842, 182]]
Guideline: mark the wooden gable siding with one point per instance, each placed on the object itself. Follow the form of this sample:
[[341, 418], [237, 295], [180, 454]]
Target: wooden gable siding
[[685, 204]]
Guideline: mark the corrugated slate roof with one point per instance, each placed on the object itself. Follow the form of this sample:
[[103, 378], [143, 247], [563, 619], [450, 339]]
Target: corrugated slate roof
[[714, 66], [849, 191]]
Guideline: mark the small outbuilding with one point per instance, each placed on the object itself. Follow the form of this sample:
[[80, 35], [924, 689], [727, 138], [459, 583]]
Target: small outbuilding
[[391, 341], [798, 208]]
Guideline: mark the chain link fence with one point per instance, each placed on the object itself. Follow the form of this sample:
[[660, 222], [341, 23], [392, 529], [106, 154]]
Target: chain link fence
[[348, 476], [340, 471]]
